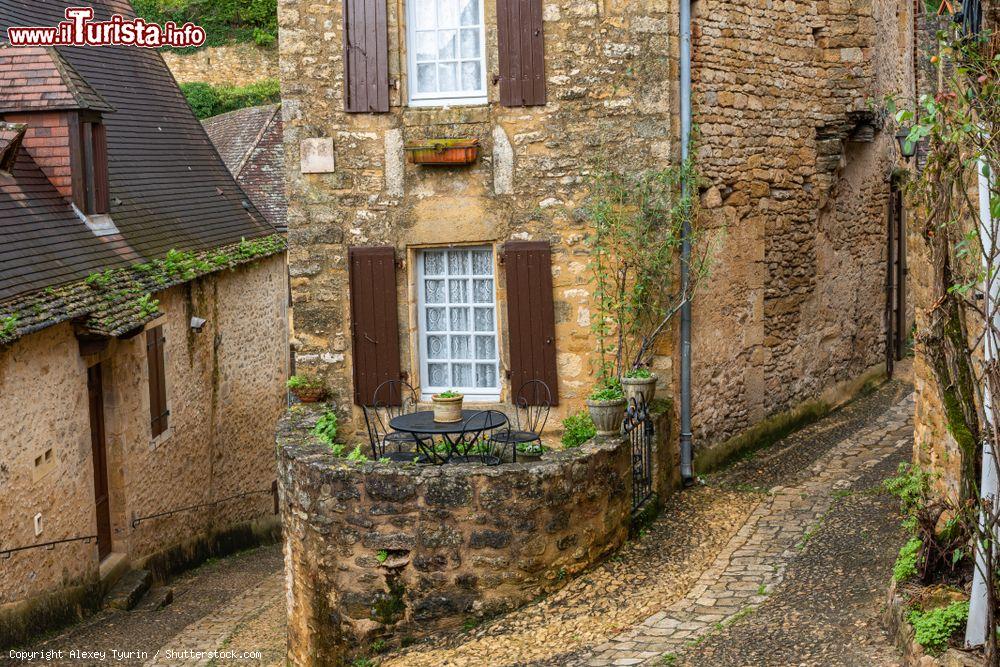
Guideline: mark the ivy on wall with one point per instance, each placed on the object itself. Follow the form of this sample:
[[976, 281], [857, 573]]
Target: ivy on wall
[[224, 21]]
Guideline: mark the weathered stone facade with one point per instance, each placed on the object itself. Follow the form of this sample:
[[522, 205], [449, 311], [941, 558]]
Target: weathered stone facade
[[225, 392], [229, 65], [795, 303], [794, 162], [382, 551]]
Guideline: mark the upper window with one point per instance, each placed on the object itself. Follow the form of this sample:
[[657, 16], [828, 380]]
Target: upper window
[[447, 44], [458, 324], [93, 194]]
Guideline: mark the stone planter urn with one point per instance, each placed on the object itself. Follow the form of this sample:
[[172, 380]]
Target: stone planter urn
[[607, 415], [640, 389], [447, 407]]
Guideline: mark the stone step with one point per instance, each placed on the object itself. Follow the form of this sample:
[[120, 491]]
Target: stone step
[[156, 599], [127, 592]]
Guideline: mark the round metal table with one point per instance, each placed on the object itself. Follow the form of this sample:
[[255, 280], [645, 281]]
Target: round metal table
[[422, 426]]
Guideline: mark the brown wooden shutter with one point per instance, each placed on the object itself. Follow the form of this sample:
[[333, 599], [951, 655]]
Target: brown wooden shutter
[[159, 416], [366, 57], [531, 319], [522, 53], [102, 203], [374, 320]]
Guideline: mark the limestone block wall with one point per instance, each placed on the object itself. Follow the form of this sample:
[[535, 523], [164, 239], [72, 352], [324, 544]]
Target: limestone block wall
[[608, 75], [387, 550], [229, 65], [225, 392], [795, 303]]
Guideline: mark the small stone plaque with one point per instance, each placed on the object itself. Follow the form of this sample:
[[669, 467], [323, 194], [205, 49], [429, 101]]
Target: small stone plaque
[[317, 156]]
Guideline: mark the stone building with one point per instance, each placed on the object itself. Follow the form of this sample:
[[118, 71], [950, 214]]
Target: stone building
[[796, 165], [143, 345]]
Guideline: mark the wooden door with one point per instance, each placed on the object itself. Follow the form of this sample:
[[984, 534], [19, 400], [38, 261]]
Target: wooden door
[[102, 502], [895, 282]]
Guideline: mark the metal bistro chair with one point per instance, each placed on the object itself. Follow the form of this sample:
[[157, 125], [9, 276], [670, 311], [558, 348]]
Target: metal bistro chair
[[531, 414], [390, 400], [484, 439]]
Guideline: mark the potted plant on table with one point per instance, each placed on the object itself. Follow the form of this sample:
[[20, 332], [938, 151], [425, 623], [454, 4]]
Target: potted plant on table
[[448, 407], [307, 389], [640, 222]]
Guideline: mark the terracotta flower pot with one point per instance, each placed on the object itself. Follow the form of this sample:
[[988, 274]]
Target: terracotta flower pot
[[310, 394], [607, 415], [639, 389], [447, 410]]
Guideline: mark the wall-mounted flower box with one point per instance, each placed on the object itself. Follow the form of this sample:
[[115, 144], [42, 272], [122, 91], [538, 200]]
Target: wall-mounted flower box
[[444, 152]]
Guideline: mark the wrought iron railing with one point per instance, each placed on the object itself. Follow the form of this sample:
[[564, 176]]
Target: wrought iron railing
[[638, 428], [273, 490], [7, 553]]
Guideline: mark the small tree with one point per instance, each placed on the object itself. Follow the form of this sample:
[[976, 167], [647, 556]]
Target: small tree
[[635, 243]]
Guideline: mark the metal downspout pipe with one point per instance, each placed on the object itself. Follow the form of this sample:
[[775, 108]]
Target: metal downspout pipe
[[687, 472]]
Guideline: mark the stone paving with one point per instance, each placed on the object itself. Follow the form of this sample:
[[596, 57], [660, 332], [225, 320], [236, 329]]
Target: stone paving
[[197, 644], [754, 562]]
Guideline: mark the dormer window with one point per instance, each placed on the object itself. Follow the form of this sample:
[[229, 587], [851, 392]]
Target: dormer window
[[91, 192]]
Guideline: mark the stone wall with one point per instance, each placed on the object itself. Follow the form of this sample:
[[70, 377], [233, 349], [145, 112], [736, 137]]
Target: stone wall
[[935, 445], [795, 168], [230, 65], [384, 551], [795, 303], [225, 390]]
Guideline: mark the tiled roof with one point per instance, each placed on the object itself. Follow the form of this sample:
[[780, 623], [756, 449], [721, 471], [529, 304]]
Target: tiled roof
[[35, 78], [119, 301], [11, 135], [250, 142], [169, 188]]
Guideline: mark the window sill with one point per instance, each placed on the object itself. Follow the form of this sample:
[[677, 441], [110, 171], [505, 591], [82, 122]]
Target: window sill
[[155, 443], [452, 102]]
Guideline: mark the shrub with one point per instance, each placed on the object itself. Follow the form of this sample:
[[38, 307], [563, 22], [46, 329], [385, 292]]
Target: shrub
[[578, 429], [224, 21], [911, 485], [207, 100], [934, 628], [326, 428], [906, 563]]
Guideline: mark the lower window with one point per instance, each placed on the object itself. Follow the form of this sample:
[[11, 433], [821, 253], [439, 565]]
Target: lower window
[[458, 323]]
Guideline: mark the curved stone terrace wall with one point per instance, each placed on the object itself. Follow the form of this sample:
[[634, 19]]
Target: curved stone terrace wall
[[379, 551]]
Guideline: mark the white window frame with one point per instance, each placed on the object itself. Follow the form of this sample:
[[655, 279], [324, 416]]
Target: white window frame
[[472, 394], [451, 98]]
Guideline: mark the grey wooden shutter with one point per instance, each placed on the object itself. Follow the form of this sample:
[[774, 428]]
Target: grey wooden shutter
[[522, 53], [374, 320], [366, 57], [531, 321], [159, 416]]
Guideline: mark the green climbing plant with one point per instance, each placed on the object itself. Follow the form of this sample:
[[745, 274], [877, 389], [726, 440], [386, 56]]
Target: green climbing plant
[[637, 228]]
